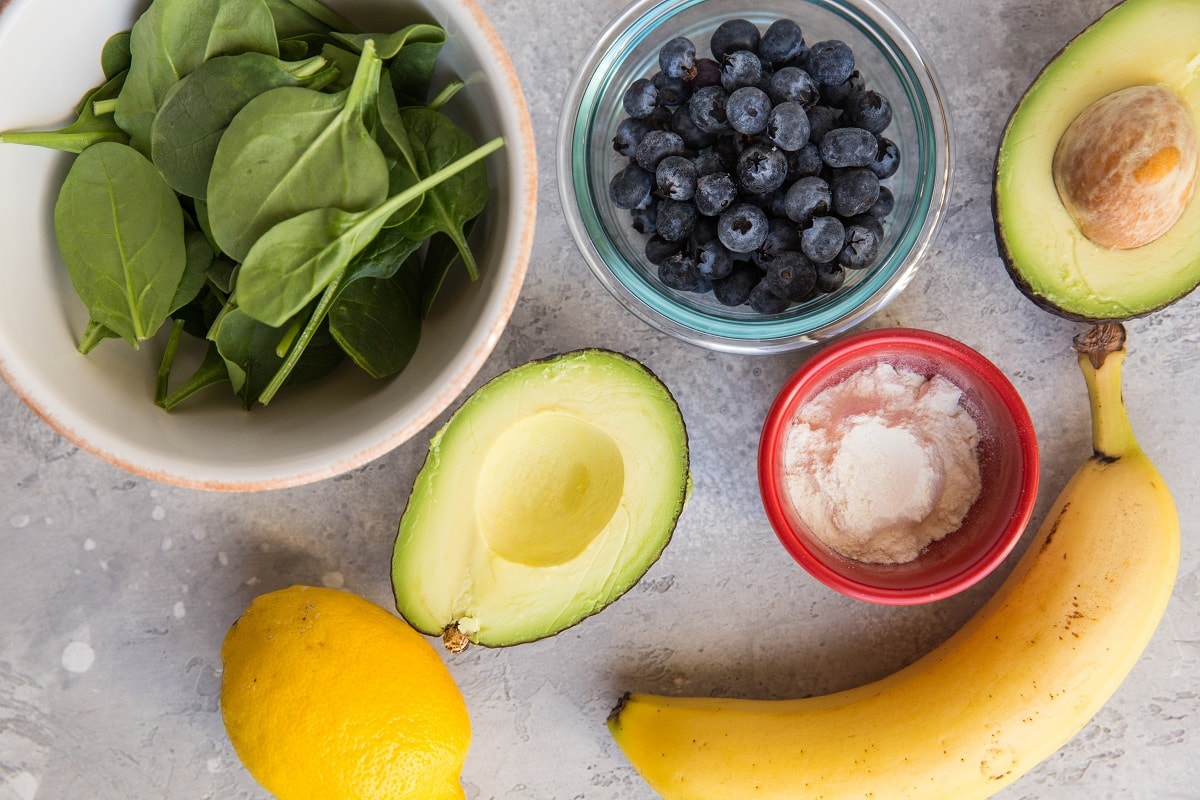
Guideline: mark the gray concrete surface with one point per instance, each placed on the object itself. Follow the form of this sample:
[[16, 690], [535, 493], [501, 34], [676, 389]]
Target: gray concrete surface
[[115, 592]]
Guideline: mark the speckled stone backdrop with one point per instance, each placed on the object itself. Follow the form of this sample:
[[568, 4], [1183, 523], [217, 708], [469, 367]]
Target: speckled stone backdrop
[[115, 592]]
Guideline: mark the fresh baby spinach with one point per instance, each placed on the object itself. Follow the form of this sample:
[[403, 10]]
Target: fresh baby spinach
[[436, 142], [271, 181], [120, 232], [172, 38], [292, 150], [196, 111]]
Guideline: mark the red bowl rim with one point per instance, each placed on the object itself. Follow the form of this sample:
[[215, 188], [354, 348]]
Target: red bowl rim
[[898, 340]]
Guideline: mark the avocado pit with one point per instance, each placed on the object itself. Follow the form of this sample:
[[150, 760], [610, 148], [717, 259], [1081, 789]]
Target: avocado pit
[[1125, 167]]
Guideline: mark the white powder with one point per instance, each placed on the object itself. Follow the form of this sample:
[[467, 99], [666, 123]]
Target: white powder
[[883, 463]]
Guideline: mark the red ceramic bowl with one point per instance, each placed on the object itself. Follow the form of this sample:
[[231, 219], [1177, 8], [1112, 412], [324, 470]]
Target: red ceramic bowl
[[1008, 460]]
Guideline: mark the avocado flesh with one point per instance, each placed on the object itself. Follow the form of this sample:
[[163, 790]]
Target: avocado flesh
[[1139, 42], [544, 498]]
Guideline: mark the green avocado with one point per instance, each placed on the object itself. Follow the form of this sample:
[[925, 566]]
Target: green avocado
[[1137, 43], [546, 496]]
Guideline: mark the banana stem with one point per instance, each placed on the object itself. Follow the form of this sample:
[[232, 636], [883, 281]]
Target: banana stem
[[1101, 352]]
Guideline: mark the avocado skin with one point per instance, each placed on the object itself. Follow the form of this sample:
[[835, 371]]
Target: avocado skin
[[1010, 264], [666, 539]]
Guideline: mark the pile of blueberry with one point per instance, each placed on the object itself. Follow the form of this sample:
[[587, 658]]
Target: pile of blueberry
[[755, 173]]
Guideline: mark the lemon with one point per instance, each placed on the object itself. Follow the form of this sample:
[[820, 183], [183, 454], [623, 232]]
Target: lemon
[[326, 695]]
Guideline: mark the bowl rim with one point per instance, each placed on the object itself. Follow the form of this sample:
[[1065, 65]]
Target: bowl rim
[[467, 19], [897, 340], [765, 335]]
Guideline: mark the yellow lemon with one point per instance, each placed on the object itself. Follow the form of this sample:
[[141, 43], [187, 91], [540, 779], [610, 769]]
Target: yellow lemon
[[327, 696]]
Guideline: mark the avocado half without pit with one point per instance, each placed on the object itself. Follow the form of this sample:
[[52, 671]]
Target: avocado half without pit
[[1094, 186], [546, 496]]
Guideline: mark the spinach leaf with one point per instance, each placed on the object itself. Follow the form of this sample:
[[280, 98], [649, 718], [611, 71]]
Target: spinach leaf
[[298, 258], [439, 257], [291, 150], [119, 229], [172, 38], [93, 334], [115, 56], [436, 142], [377, 321], [195, 272], [393, 140], [249, 349], [297, 17], [196, 111], [389, 45], [88, 128], [346, 63]]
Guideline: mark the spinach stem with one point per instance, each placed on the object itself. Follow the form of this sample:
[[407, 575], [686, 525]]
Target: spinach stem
[[162, 384], [445, 95], [102, 107]]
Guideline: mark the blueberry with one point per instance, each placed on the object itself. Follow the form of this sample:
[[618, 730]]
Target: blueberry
[[866, 221], [805, 161], [747, 109], [821, 120], [830, 61], [808, 197], [671, 91], [629, 134], [763, 300], [641, 98], [677, 58], [631, 187], [782, 43], [732, 35], [787, 126], [861, 248], [707, 109], [830, 276], [782, 235], [822, 241], [659, 249], [644, 220], [707, 162], [693, 138], [740, 68], [676, 178], [676, 218], [742, 228], [761, 169], [849, 147], [868, 110], [678, 271], [884, 204], [793, 83], [887, 159], [854, 191], [657, 145], [715, 192], [837, 95], [713, 260], [734, 289], [708, 73], [791, 276]]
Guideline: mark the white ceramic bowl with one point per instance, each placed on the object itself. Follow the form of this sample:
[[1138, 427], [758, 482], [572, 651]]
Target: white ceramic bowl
[[103, 402]]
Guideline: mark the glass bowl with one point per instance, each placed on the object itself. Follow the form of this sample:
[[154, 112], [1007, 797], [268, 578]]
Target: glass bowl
[[1007, 452], [890, 62]]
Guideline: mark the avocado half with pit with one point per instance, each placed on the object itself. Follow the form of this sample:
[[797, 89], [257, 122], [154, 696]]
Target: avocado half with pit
[[546, 496], [1094, 181]]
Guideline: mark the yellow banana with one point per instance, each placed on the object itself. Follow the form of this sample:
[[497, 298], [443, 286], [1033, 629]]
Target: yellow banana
[[1012, 686]]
